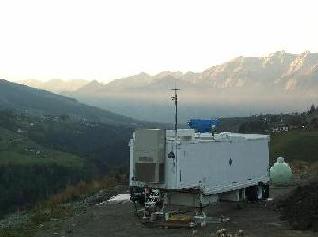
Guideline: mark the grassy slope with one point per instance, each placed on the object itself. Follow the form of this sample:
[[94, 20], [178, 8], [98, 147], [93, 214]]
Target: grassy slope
[[295, 145], [27, 176], [17, 149]]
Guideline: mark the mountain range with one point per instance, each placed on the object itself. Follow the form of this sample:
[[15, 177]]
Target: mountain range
[[279, 82], [56, 85]]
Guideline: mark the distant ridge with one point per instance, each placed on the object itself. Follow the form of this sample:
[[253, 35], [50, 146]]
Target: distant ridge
[[279, 82], [280, 70]]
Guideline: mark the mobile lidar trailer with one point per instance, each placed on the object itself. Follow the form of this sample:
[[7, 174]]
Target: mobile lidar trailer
[[195, 169]]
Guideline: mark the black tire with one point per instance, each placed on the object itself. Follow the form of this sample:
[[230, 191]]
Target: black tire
[[251, 193]]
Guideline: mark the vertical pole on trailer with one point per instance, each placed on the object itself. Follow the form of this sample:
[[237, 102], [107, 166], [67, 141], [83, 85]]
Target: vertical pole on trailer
[[175, 99]]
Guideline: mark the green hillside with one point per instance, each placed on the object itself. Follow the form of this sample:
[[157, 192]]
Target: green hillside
[[17, 149], [102, 144], [30, 172], [48, 141], [41, 155]]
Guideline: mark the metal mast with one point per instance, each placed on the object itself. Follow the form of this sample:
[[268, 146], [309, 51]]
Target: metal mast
[[175, 99]]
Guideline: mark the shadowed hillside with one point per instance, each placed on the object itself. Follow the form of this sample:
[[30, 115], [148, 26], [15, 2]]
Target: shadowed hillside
[[34, 101]]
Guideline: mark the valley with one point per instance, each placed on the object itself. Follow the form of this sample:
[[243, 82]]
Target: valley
[[56, 151], [158, 118]]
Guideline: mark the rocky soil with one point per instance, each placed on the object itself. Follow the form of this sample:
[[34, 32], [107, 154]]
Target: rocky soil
[[300, 207]]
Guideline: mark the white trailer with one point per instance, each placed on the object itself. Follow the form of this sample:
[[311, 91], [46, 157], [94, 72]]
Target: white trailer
[[196, 169]]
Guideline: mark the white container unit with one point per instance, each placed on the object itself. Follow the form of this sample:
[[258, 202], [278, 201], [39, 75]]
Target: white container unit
[[218, 166]]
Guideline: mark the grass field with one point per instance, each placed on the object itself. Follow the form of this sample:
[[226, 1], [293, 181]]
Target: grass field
[[295, 146], [18, 149]]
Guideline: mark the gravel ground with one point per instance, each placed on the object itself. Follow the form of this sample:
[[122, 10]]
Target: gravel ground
[[119, 220]]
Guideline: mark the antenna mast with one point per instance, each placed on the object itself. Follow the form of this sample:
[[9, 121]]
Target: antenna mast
[[175, 99]]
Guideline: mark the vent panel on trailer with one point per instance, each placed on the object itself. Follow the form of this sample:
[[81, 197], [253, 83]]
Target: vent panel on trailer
[[149, 155]]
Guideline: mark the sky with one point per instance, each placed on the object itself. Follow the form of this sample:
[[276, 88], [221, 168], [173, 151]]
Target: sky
[[109, 39]]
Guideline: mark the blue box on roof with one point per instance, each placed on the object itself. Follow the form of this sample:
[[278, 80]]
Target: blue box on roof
[[203, 125]]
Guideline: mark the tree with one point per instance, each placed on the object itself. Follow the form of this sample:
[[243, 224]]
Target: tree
[[312, 109]]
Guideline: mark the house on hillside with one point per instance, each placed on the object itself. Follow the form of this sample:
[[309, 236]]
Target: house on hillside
[[280, 128]]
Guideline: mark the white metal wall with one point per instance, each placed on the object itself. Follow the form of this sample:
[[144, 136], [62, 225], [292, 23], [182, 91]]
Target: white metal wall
[[219, 166], [206, 164]]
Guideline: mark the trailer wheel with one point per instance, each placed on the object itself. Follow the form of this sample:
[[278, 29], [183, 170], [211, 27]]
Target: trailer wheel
[[251, 193], [257, 192]]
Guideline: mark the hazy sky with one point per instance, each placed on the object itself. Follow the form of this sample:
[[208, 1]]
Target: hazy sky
[[109, 39]]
